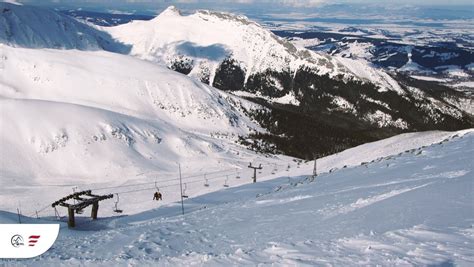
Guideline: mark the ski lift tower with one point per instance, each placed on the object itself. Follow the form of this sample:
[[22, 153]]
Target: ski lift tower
[[82, 200], [255, 171]]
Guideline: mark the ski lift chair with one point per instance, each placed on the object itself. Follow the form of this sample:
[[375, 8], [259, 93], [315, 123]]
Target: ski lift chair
[[116, 209], [226, 179], [184, 191]]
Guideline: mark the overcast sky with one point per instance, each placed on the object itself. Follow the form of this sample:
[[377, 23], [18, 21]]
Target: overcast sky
[[291, 3], [433, 9]]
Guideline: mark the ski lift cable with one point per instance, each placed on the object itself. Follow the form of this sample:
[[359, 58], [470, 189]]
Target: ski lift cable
[[160, 183], [174, 179], [142, 189], [230, 172], [167, 186], [154, 187], [177, 184], [39, 211], [199, 174], [130, 185], [163, 181]]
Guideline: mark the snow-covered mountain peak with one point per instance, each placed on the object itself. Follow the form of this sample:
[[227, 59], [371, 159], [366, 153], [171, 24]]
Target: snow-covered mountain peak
[[12, 2], [169, 11], [37, 27], [206, 38], [173, 11], [225, 16], [195, 44]]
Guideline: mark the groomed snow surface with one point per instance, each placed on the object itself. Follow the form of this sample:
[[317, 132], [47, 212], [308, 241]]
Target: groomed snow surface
[[414, 207]]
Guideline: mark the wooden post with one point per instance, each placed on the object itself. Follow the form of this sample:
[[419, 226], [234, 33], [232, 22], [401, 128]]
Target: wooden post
[[95, 209], [71, 223], [81, 204]]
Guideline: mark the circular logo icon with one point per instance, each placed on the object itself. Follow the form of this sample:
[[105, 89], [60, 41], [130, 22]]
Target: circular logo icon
[[17, 241]]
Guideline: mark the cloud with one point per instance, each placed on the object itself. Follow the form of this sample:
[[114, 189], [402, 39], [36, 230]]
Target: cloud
[[11, 2], [291, 3], [302, 3], [260, 3], [186, 1]]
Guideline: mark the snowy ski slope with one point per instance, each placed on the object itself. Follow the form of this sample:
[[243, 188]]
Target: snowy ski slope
[[413, 208]]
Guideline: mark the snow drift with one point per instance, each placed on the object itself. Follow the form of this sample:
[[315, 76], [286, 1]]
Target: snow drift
[[99, 117], [37, 27], [409, 209]]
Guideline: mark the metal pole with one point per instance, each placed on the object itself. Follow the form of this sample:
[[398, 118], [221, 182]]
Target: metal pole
[[56, 213], [181, 188], [74, 191], [19, 217]]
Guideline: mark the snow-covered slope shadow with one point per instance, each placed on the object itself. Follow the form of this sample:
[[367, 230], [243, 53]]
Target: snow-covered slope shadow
[[410, 209], [38, 27], [97, 119]]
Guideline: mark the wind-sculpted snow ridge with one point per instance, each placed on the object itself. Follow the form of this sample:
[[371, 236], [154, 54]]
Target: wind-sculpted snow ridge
[[344, 101], [196, 44], [37, 27], [410, 209], [93, 119], [205, 39], [121, 84]]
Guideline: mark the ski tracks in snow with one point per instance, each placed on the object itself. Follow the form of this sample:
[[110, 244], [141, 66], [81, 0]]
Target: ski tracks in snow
[[364, 202], [419, 245]]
